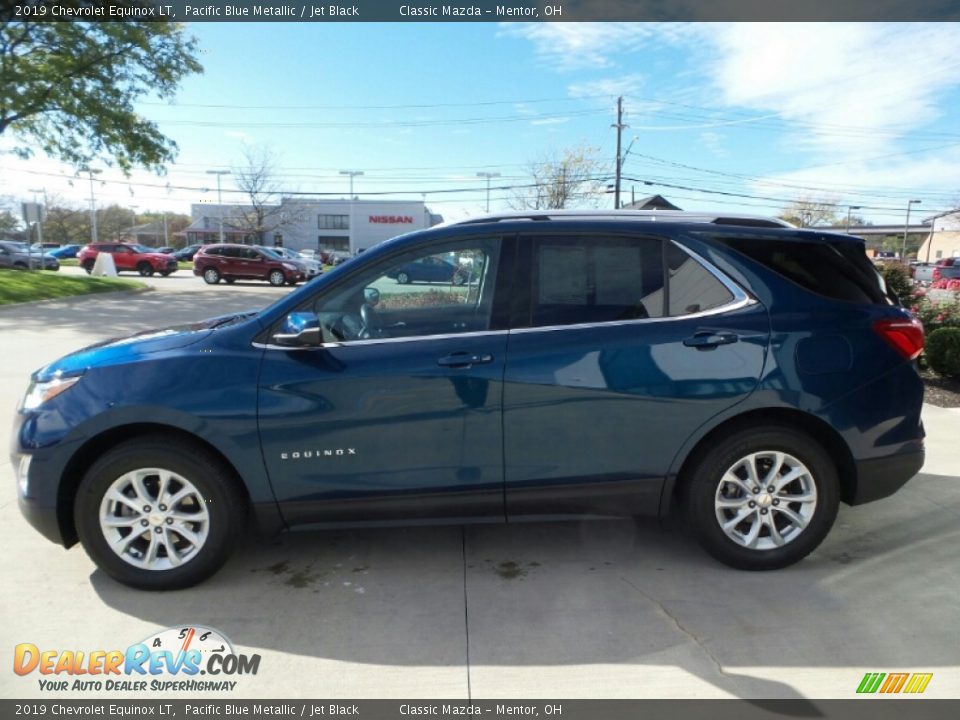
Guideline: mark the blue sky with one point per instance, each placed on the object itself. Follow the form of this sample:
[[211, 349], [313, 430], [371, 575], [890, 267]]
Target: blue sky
[[730, 117]]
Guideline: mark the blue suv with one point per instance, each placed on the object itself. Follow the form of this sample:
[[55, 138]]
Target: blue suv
[[604, 364]]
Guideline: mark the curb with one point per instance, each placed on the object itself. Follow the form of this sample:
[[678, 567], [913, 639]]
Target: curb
[[32, 303]]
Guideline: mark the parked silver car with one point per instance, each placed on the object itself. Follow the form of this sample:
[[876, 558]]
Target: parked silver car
[[19, 256], [313, 267]]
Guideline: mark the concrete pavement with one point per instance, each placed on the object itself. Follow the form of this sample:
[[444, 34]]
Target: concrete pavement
[[570, 609]]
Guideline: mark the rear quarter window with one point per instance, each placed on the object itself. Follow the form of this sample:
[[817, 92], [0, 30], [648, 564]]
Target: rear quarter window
[[838, 270]]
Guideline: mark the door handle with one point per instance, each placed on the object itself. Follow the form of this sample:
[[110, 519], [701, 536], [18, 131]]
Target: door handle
[[464, 359], [709, 340]]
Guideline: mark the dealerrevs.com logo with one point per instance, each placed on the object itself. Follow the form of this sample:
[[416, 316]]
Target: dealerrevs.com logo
[[177, 659]]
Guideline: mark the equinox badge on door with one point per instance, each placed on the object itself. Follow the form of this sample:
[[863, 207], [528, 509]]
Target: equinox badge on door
[[309, 454]]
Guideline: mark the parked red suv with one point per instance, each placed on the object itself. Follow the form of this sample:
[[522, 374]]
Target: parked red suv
[[128, 257], [238, 262]]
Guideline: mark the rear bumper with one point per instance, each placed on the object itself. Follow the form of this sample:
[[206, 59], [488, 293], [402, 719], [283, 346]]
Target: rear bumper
[[878, 478]]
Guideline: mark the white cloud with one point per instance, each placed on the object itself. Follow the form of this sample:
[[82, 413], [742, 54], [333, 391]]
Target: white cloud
[[612, 86], [551, 121], [570, 46], [713, 142], [878, 81]]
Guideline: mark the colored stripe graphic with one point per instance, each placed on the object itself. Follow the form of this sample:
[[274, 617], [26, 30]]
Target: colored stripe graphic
[[918, 683], [870, 682], [894, 682]]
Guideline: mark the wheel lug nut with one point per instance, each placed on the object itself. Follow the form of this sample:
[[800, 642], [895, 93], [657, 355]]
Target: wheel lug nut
[[763, 511], [756, 490], [769, 489], [169, 521], [146, 508], [776, 502], [158, 530], [144, 522], [163, 508], [752, 504]]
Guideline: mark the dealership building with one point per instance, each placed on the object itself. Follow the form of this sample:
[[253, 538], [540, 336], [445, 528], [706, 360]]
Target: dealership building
[[321, 225]]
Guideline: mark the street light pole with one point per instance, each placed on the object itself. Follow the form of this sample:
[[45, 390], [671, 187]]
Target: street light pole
[[133, 213], [93, 203], [488, 175], [906, 225], [218, 173], [849, 208], [352, 174]]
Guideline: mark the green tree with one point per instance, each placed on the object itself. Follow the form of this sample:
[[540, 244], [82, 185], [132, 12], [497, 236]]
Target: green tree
[[8, 221], [570, 179], [69, 88]]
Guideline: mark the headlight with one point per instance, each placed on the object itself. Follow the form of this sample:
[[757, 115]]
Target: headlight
[[40, 392], [290, 266]]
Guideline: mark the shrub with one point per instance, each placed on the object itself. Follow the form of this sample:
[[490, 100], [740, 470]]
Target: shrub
[[943, 351], [935, 315], [898, 281]]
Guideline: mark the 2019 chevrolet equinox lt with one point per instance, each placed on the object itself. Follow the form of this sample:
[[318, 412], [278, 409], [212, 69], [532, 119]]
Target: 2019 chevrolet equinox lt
[[601, 364]]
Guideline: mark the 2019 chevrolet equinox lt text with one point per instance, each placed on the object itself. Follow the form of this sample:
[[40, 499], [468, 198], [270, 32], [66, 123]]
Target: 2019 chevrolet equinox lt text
[[601, 364]]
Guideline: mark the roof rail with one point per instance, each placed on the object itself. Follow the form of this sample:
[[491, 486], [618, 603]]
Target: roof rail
[[638, 215]]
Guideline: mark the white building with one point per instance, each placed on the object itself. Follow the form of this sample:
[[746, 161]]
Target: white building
[[306, 224]]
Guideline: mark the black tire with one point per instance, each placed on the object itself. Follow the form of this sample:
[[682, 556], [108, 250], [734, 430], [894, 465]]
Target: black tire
[[19, 266], [703, 482], [403, 278], [211, 276], [229, 281], [145, 269], [88, 266], [225, 506], [276, 278]]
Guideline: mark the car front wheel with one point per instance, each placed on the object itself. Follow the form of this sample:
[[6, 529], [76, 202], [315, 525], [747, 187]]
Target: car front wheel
[[158, 519], [762, 498], [276, 278], [403, 278], [145, 269], [211, 276]]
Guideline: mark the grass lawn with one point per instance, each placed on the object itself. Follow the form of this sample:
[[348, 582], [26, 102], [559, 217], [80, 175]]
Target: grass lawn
[[18, 286]]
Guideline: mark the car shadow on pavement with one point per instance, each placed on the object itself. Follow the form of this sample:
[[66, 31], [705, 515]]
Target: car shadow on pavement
[[618, 594]]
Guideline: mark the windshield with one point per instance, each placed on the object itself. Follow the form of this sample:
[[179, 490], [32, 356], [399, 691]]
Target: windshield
[[270, 253]]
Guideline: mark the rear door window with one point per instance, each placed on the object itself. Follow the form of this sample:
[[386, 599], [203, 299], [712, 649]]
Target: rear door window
[[595, 279]]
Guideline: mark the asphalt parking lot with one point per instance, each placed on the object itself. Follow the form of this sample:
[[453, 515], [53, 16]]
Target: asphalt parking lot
[[559, 610]]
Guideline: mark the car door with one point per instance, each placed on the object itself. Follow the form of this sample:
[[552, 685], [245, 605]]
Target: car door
[[397, 412], [122, 256], [624, 347]]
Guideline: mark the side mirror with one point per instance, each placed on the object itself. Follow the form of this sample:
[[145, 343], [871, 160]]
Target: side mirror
[[371, 296], [299, 328]]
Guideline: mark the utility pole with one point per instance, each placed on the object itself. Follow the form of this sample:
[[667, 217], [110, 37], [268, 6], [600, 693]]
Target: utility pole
[[93, 203], [166, 235], [488, 175], [849, 208], [619, 126], [219, 173], [906, 226], [352, 174]]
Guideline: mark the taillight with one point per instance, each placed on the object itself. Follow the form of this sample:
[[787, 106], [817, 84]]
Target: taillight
[[906, 336]]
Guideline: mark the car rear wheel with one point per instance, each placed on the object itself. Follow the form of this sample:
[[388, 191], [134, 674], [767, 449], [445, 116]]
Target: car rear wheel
[[403, 278], [145, 269], [276, 278], [762, 498], [158, 519], [87, 265], [211, 276]]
